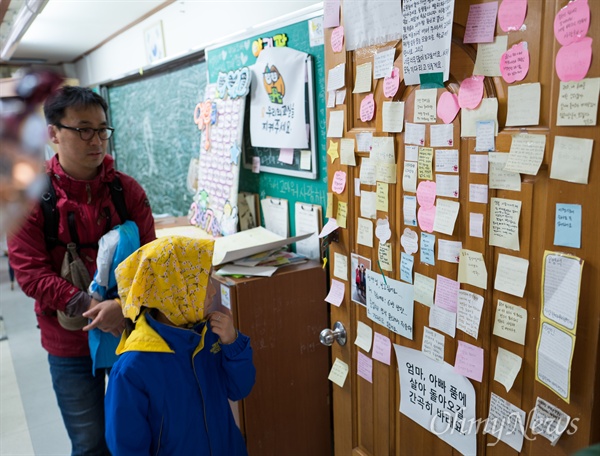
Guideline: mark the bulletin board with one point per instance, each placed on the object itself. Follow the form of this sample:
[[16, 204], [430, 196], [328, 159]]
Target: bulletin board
[[277, 179], [155, 136], [484, 279]]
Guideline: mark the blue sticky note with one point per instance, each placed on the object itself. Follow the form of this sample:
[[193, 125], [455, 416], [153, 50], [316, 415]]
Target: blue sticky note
[[410, 210], [406, 267], [427, 246], [567, 229]]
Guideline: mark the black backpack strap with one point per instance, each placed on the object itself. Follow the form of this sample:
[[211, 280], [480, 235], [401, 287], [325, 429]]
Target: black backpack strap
[[48, 206], [118, 199]]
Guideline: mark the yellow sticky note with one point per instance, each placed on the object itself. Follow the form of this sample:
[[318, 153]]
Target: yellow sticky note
[[510, 322], [342, 212], [329, 209], [425, 163], [471, 269], [339, 372], [332, 151], [385, 256], [382, 203]]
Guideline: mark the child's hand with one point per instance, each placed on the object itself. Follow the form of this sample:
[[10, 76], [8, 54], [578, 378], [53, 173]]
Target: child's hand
[[222, 325]]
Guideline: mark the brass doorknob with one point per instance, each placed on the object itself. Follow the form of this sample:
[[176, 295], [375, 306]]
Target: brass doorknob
[[338, 333]]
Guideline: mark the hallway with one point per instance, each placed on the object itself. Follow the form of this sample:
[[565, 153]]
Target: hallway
[[30, 422]]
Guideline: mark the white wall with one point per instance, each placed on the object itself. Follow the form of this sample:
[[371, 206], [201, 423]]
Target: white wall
[[187, 26]]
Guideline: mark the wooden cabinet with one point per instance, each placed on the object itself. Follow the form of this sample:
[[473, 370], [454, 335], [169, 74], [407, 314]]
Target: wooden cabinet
[[288, 411]]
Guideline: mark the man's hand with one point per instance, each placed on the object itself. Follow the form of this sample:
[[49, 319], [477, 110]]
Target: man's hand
[[107, 316]]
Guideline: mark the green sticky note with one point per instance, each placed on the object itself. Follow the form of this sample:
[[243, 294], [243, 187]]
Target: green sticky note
[[432, 80]]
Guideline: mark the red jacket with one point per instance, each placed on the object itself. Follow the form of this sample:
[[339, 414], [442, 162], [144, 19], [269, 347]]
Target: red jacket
[[37, 270]]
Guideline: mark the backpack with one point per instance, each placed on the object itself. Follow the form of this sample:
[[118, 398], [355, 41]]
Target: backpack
[[51, 216]]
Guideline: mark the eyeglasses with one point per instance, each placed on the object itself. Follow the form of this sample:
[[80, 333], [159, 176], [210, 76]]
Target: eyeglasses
[[87, 133]]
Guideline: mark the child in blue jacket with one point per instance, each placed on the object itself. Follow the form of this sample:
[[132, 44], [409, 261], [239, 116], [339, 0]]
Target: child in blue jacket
[[168, 391]]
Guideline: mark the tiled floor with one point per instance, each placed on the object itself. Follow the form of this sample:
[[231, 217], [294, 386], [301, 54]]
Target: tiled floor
[[30, 422]]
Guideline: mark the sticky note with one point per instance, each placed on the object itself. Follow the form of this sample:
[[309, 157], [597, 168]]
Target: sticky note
[[391, 83], [365, 232], [336, 293], [471, 269], [445, 216], [335, 128], [511, 275], [427, 248], [511, 14], [338, 373], [364, 367], [571, 159], [446, 160], [487, 62], [426, 193], [573, 61], [414, 134], [342, 214], [504, 223], [340, 266], [337, 39], [449, 251], [508, 366], [481, 23], [382, 347], [468, 315], [443, 319], [578, 102], [510, 322], [367, 108], [364, 336], [339, 182], [441, 135], [447, 185], [425, 165], [514, 63], [469, 361], [447, 107], [409, 241], [347, 156], [475, 224], [424, 289], [393, 116], [524, 104], [446, 293], [433, 344], [363, 79], [425, 106], [567, 225], [471, 92], [406, 267], [410, 210]]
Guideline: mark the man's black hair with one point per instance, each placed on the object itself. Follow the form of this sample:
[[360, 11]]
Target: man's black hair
[[71, 96]]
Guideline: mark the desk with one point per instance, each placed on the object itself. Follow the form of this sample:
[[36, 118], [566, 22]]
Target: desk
[[288, 412]]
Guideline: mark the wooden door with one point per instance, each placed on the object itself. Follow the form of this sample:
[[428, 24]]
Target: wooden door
[[366, 416]]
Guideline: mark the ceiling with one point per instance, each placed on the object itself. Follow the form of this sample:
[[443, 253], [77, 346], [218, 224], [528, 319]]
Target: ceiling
[[65, 30]]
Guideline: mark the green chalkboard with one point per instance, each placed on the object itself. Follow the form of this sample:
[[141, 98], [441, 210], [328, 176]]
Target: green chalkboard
[[240, 53], [155, 135]]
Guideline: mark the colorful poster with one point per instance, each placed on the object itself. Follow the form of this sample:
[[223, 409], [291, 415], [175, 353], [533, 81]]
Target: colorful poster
[[277, 103]]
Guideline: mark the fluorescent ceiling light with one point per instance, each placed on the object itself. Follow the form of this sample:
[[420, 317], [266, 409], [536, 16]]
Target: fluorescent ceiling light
[[22, 21]]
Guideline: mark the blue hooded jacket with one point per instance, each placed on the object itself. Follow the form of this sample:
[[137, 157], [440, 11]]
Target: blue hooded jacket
[[168, 391]]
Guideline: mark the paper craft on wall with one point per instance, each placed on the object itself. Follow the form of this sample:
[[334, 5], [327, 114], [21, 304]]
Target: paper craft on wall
[[220, 118]]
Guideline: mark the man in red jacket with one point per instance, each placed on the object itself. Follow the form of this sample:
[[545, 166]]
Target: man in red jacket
[[81, 174]]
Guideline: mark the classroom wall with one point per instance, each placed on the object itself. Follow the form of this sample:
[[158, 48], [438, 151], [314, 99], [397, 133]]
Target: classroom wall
[[187, 26]]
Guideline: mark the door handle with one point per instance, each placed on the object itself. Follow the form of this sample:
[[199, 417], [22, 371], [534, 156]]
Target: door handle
[[328, 336]]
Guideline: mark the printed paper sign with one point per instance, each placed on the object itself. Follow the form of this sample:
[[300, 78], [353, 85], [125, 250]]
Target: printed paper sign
[[277, 104], [454, 425]]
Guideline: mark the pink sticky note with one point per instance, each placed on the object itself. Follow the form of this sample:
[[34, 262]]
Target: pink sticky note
[[391, 83], [573, 61], [426, 194], [286, 156], [426, 217], [337, 39], [339, 182], [382, 347], [571, 24], [471, 92], [446, 293], [511, 14], [367, 108], [336, 293], [469, 361], [331, 13], [447, 107], [365, 367], [514, 63], [481, 23]]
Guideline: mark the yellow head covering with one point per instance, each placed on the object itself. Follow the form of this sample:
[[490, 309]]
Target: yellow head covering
[[170, 274]]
